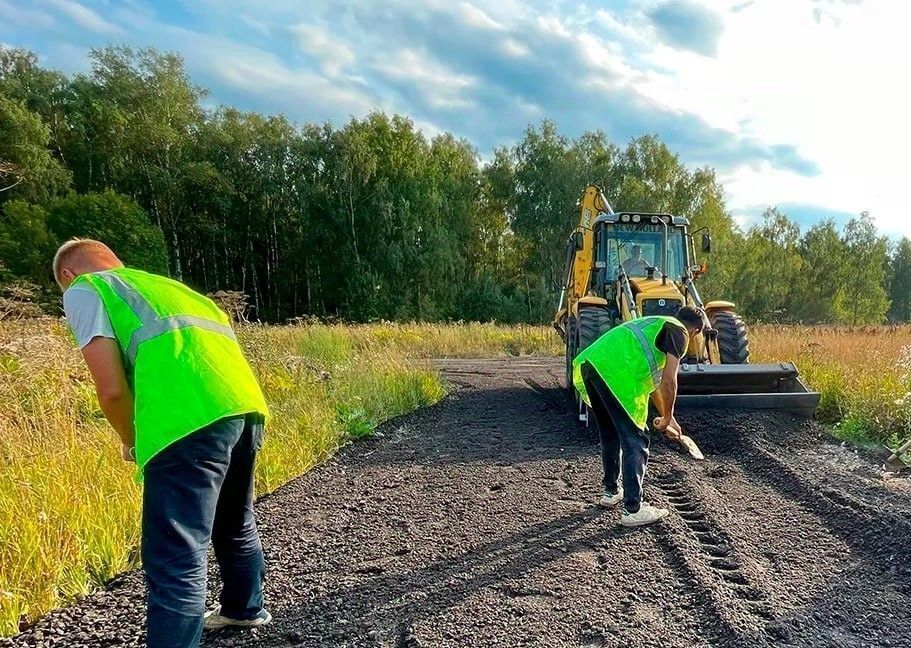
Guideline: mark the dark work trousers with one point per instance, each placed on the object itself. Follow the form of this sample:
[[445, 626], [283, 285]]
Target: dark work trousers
[[197, 489], [617, 432]]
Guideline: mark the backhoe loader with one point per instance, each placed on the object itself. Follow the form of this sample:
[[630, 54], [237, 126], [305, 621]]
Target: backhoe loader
[[625, 265]]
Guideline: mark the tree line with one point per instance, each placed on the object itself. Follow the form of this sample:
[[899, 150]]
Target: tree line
[[373, 220]]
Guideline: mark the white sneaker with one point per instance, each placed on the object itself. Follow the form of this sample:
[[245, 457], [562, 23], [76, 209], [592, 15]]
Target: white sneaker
[[214, 620], [609, 501], [647, 514]]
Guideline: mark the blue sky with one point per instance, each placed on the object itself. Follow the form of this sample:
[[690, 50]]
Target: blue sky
[[796, 103]]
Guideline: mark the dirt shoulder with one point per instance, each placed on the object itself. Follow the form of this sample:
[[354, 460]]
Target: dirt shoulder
[[472, 523]]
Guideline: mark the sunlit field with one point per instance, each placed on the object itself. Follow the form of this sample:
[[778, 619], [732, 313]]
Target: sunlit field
[[863, 374], [69, 508]]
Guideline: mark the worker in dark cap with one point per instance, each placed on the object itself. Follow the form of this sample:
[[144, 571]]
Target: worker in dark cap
[[615, 376]]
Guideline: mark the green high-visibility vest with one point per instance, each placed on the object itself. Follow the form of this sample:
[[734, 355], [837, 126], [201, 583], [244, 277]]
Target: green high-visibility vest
[[628, 361], [181, 357]]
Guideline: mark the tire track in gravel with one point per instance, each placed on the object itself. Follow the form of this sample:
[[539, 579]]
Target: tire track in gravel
[[472, 523], [704, 556], [819, 553]]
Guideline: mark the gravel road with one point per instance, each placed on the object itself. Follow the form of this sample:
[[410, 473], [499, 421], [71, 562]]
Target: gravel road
[[472, 523]]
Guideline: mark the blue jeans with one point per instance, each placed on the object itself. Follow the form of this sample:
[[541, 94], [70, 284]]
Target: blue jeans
[[198, 489], [617, 431]]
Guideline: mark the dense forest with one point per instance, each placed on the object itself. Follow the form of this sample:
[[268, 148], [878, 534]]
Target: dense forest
[[372, 219]]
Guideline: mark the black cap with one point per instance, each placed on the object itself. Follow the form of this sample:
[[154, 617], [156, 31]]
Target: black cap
[[690, 317]]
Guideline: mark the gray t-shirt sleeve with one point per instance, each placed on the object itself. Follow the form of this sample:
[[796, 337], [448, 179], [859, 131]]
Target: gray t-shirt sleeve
[[85, 315]]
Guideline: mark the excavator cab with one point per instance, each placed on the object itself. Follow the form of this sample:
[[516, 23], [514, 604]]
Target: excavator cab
[[624, 265]]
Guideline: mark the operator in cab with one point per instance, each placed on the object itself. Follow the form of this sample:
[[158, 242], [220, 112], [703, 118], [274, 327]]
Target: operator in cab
[[635, 265], [615, 376]]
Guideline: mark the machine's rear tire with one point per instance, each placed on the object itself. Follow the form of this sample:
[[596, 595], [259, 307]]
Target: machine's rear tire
[[593, 323], [733, 340]]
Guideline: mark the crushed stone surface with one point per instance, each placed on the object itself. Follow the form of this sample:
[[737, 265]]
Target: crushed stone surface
[[473, 523]]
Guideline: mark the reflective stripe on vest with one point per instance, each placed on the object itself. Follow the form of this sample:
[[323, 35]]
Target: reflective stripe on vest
[[191, 372], [638, 328], [150, 324]]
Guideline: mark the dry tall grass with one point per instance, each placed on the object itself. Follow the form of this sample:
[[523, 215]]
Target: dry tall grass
[[863, 374], [463, 340]]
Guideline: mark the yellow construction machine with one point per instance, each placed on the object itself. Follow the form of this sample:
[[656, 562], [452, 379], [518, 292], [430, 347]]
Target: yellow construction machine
[[624, 265]]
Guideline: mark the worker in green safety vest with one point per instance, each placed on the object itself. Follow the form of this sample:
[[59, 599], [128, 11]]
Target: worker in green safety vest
[[173, 383], [615, 376]]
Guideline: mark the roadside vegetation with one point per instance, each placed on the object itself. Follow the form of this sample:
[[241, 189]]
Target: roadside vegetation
[[863, 374]]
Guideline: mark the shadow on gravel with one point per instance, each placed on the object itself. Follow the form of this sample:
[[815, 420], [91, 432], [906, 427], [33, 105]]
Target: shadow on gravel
[[770, 449], [482, 425], [394, 601], [837, 618]]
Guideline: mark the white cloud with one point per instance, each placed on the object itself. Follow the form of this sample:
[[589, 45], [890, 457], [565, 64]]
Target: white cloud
[[333, 54], [84, 17], [300, 93], [236, 70], [633, 29], [437, 84], [837, 88], [514, 48], [832, 87], [598, 55], [476, 17], [429, 129], [554, 25], [313, 90], [257, 25], [14, 14]]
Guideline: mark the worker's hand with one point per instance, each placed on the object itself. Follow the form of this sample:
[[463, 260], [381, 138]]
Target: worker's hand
[[669, 426], [128, 453]]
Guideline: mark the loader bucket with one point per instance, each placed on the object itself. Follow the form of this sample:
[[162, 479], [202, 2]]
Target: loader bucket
[[745, 386]]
